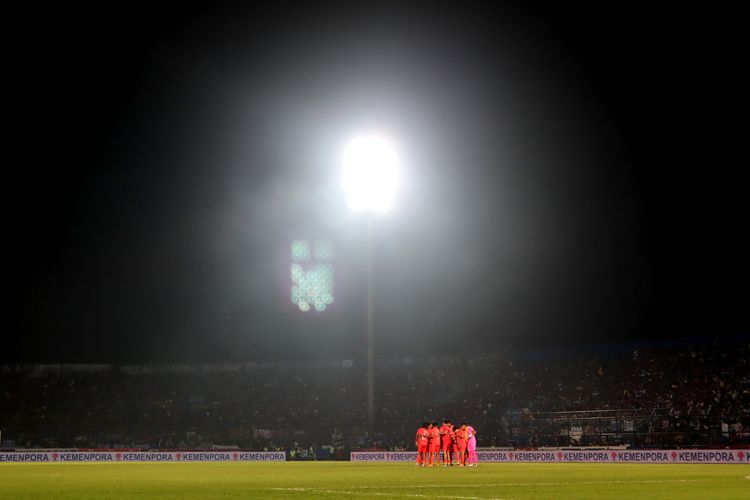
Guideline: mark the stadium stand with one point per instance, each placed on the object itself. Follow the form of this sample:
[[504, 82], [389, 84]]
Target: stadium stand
[[642, 398]]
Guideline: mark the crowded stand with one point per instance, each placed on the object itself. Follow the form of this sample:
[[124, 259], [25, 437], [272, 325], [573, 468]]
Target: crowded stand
[[648, 398]]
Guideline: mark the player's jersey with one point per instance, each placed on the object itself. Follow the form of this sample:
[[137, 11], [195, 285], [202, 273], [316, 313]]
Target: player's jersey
[[422, 436], [434, 434], [470, 432], [461, 436], [446, 431]]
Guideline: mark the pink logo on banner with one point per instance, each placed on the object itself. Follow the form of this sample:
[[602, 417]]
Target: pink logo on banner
[[614, 455], [235, 455], [54, 456], [674, 456], [510, 455], [559, 455], [741, 455], [118, 456], [178, 455]]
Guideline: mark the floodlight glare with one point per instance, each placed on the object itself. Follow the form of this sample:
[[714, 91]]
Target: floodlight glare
[[370, 173]]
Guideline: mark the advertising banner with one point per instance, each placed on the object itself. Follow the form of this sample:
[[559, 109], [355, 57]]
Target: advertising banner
[[143, 456], [603, 456]]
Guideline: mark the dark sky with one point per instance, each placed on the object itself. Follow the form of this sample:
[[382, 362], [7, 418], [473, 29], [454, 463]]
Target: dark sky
[[569, 175]]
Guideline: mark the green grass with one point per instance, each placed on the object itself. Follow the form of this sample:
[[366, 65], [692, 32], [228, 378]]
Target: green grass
[[332, 480]]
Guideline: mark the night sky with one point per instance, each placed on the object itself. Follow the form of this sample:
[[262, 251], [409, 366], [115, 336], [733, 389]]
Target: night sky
[[570, 175]]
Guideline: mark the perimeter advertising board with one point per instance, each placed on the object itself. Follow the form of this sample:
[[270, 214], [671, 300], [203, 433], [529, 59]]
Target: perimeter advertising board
[[604, 456], [143, 456]]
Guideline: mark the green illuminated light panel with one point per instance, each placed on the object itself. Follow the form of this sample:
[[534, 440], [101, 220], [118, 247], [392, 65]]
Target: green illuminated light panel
[[312, 275]]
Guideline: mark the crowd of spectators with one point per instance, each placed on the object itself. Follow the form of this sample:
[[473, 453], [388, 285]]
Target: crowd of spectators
[[677, 397]]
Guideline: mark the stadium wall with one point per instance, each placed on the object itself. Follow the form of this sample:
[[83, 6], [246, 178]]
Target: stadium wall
[[611, 456]]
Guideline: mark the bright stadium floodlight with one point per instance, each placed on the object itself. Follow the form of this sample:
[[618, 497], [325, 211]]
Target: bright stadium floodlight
[[370, 174]]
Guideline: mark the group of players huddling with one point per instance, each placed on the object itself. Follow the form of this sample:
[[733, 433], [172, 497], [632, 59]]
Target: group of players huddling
[[459, 444]]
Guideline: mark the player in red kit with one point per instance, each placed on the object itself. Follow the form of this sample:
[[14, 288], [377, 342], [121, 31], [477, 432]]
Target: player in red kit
[[446, 430], [454, 445], [461, 439], [422, 442], [434, 434]]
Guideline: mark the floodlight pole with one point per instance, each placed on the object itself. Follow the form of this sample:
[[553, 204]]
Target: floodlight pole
[[369, 178], [370, 333]]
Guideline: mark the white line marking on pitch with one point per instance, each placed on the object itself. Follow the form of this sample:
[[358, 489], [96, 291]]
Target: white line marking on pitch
[[559, 483], [352, 490], [380, 494]]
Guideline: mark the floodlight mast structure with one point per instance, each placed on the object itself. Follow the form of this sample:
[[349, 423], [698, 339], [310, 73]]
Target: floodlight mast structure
[[370, 176], [370, 334]]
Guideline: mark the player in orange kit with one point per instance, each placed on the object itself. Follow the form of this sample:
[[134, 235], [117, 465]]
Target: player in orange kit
[[454, 446], [446, 431], [434, 434], [461, 438], [422, 442]]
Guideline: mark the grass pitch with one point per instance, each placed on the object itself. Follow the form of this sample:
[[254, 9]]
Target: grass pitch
[[332, 480]]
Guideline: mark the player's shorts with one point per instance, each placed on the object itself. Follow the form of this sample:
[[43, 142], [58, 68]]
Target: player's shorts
[[435, 447], [422, 448], [446, 445], [462, 447]]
